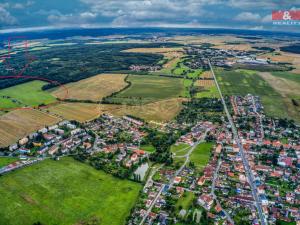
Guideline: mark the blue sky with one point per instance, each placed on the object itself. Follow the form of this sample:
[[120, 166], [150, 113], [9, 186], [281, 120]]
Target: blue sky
[[43, 14]]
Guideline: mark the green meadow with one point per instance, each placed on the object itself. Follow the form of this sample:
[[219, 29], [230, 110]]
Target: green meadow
[[65, 192], [201, 154], [27, 94], [4, 161], [145, 89]]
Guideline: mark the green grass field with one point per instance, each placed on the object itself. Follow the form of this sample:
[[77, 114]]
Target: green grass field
[[211, 92], [145, 89], [180, 149], [4, 161], [65, 192], [29, 93], [200, 155], [287, 75], [148, 148], [185, 201], [180, 69], [194, 73], [245, 82]]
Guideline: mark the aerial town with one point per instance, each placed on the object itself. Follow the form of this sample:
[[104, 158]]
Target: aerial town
[[221, 190]]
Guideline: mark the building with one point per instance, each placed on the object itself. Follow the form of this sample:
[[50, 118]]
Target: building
[[206, 201]]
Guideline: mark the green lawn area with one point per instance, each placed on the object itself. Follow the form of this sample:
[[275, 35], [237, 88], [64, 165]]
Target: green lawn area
[[185, 201], [148, 148], [200, 155], [280, 222], [145, 89], [194, 74], [244, 82], [65, 192], [187, 85], [29, 93], [4, 161], [211, 92], [180, 69]]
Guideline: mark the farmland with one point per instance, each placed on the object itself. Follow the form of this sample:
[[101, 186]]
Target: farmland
[[19, 123], [159, 111], [244, 82], [53, 196], [27, 94], [284, 57], [93, 88], [206, 87], [289, 91], [76, 111], [145, 89]]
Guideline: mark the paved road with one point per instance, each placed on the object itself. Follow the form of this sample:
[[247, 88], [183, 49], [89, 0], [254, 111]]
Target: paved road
[[244, 159], [171, 183], [216, 174]]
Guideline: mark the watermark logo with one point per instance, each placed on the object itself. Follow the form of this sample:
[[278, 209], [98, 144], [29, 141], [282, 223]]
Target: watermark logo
[[288, 17]]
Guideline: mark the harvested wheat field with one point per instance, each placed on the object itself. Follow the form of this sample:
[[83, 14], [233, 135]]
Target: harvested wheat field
[[206, 75], [204, 83], [283, 86], [76, 111], [284, 57], [159, 111], [19, 123], [239, 47], [93, 88]]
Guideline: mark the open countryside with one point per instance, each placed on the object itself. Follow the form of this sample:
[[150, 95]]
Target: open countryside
[[160, 125], [28, 94], [93, 88], [76, 194]]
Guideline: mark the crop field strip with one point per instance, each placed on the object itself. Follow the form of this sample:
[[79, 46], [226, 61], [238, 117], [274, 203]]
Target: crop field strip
[[147, 88], [19, 123], [81, 112], [204, 83], [159, 111], [93, 88]]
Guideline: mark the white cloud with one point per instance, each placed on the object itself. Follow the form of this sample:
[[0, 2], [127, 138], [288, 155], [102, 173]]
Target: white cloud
[[17, 5], [267, 18], [248, 16], [6, 18], [254, 4], [138, 13], [56, 17], [88, 15]]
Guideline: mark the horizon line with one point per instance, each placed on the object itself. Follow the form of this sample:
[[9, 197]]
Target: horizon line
[[46, 28]]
